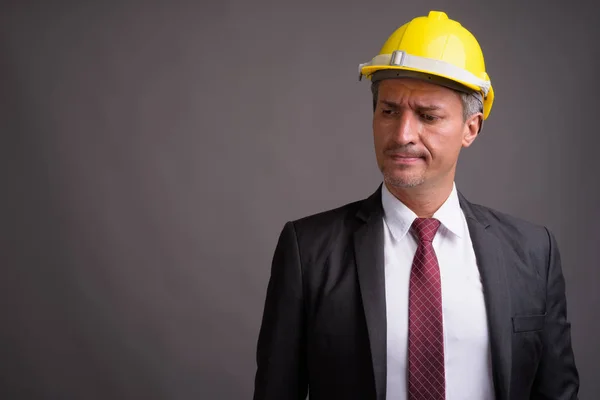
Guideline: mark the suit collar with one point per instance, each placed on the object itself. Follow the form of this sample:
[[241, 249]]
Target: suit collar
[[369, 254], [472, 212], [371, 206]]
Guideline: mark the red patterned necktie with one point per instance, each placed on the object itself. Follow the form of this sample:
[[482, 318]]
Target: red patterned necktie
[[426, 377]]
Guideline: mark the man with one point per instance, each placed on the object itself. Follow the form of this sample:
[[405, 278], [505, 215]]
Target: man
[[416, 293]]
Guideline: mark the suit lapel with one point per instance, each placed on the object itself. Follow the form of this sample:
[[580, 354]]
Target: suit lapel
[[491, 265], [368, 246]]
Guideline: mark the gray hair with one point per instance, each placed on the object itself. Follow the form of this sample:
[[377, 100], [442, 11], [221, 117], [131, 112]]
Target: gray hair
[[471, 104]]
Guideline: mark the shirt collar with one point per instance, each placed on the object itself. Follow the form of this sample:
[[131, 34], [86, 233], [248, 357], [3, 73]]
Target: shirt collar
[[399, 217]]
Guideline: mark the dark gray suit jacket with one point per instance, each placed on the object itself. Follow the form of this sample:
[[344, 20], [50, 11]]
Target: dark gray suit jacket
[[324, 321]]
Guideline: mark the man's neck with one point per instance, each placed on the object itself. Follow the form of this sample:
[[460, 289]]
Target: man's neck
[[423, 201]]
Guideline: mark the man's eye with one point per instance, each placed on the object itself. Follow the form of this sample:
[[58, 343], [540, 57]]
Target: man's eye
[[388, 112], [428, 117]]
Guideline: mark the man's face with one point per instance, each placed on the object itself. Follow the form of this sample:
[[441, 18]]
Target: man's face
[[419, 129]]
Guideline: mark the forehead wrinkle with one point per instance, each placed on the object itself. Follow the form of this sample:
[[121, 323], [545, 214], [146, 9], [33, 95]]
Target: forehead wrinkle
[[418, 103], [421, 96]]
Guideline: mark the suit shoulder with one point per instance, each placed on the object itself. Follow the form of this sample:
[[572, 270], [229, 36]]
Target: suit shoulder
[[327, 219], [324, 229], [318, 235], [518, 229], [506, 218]]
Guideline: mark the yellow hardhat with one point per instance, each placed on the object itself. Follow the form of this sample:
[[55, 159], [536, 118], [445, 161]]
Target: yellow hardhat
[[435, 46]]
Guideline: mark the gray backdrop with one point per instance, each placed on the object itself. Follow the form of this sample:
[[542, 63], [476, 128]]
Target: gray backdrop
[[151, 155]]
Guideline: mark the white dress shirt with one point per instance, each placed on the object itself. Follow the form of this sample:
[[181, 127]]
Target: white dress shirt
[[466, 339]]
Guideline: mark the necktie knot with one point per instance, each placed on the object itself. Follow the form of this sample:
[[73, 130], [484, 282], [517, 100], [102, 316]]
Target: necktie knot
[[425, 228]]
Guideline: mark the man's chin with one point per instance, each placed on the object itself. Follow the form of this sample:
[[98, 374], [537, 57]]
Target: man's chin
[[402, 181]]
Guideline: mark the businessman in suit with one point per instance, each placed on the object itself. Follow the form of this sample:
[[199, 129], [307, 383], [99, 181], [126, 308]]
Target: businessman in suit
[[415, 292]]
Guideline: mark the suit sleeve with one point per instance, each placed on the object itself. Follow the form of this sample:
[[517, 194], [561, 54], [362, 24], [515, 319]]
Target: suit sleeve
[[281, 369], [557, 376]]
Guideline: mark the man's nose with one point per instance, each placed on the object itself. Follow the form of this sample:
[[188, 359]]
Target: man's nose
[[407, 128]]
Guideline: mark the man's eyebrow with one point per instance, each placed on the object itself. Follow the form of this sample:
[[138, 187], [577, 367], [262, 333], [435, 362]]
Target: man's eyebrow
[[422, 107], [390, 103], [428, 107]]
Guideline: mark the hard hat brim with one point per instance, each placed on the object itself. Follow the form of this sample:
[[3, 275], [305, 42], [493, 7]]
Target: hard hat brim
[[394, 73]]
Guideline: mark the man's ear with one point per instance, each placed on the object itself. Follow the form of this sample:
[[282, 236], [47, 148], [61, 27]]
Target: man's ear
[[471, 129]]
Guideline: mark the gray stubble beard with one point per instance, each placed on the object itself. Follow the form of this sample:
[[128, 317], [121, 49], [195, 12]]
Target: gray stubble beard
[[402, 183]]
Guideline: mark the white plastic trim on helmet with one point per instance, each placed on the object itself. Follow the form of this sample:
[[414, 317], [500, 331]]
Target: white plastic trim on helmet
[[402, 59]]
